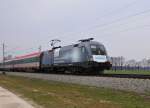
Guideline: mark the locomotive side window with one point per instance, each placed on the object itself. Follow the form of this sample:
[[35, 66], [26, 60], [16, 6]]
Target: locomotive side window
[[98, 50]]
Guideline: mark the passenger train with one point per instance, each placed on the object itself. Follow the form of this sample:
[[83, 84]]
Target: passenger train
[[87, 56]]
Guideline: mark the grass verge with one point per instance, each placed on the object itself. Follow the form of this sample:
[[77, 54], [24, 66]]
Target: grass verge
[[50, 94]]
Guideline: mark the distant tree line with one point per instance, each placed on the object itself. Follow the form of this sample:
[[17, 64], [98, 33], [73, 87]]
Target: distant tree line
[[119, 63]]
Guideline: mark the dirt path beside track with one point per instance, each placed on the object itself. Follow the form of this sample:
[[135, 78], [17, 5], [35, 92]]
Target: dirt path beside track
[[10, 100]]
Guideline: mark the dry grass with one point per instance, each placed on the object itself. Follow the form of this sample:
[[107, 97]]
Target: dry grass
[[49, 94]]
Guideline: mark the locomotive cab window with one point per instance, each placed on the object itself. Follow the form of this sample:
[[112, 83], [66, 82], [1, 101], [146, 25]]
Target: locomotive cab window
[[98, 50]]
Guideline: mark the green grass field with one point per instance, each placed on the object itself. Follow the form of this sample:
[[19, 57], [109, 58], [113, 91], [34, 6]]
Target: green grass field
[[50, 94], [144, 72]]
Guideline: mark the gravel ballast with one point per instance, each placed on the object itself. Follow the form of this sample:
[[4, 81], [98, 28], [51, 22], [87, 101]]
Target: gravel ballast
[[127, 84]]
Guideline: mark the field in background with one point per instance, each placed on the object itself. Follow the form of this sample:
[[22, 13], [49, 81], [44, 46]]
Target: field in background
[[144, 72], [50, 94]]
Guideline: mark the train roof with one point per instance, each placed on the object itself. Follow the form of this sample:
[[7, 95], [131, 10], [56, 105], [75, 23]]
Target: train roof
[[80, 44], [35, 54]]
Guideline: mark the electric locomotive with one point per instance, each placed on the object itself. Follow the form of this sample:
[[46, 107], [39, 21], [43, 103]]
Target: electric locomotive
[[87, 56]]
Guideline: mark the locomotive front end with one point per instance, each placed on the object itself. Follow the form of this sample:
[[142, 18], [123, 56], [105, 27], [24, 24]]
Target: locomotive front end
[[99, 56]]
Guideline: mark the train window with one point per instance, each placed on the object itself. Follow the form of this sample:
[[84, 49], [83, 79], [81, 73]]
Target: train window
[[98, 50], [103, 50]]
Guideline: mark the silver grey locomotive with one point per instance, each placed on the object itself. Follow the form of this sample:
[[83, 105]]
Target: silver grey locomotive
[[85, 57]]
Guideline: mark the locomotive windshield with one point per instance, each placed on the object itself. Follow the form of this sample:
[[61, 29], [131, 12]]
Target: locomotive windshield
[[98, 50]]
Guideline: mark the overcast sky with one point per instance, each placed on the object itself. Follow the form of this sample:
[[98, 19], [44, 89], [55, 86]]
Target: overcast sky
[[123, 26]]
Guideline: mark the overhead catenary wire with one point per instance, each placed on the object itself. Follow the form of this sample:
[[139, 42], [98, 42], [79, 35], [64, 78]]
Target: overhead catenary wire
[[128, 29], [124, 7], [109, 13], [99, 26], [120, 19]]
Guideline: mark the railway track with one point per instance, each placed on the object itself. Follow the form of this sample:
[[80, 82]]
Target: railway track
[[127, 82], [130, 76], [134, 76]]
